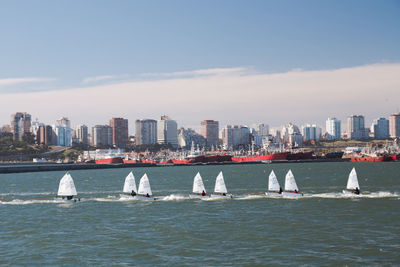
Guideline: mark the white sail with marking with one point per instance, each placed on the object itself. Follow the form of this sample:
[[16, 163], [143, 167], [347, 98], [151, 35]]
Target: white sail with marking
[[144, 186], [130, 184], [220, 184], [198, 186], [290, 182], [352, 182], [67, 186], [273, 184]]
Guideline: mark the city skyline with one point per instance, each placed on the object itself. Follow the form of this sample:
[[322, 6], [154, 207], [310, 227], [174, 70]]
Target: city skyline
[[268, 62]]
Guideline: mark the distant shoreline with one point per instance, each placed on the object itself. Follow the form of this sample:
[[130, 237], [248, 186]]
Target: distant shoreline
[[39, 167]]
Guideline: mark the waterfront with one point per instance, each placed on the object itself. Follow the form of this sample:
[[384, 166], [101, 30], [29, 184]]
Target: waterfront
[[323, 228]]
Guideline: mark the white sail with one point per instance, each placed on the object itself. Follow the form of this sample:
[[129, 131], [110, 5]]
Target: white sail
[[220, 184], [66, 186], [144, 186], [352, 182], [273, 184], [198, 186], [130, 184], [290, 182]]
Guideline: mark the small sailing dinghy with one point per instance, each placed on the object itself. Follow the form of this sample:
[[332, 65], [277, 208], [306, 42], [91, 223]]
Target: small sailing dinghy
[[199, 190], [291, 189], [144, 192], [129, 189], [220, 190], [352, 187], [274, 190], [66, 188]]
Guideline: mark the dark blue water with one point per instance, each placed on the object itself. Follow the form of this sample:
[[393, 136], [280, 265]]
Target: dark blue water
[[322, 228]]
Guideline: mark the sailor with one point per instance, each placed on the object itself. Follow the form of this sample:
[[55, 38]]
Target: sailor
[[147, 195], [223, 194], [295, 191], [203, 193], [280, 190], [69, 197], [357, 191], [133, 193]]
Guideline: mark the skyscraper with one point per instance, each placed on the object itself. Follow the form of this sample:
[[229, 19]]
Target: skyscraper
[[210, 130], [62, 132], [102, 134], [333, 129], [311, 132], [146, 132], [44, 135], [82, 134], [20, 124], [119, 132], [380, 128], [167, 131], [356, 127], [394, 124]]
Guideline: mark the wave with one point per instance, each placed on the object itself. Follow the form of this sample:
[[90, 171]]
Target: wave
[[380, 194], [34, 201], [174, 197]]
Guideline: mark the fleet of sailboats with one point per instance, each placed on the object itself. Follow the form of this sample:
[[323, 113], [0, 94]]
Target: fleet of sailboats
[[67, 189]]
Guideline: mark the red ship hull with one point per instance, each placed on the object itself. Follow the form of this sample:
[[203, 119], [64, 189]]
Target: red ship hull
[[275, 156], [150, 161], [109, 160], [366, 158], [131, 161], [182, 161]]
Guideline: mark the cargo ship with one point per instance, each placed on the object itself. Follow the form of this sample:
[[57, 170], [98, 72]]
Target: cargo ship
[[300, 155], [370, 158], [266, 157], [110, 156], [109, 160]]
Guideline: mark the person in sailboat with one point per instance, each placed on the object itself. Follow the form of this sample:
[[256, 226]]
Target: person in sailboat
[[70, 197], [224, 194], [295, 191], [147, 195], [357, 191], [133, 193], [280, 190], [203, 193]]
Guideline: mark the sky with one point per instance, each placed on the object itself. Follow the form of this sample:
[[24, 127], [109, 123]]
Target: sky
[[238, 62]]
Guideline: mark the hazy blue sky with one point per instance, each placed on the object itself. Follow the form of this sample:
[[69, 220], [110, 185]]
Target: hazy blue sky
[[54, 45]]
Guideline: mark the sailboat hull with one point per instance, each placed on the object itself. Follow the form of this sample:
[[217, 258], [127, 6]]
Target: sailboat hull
[[291, 194], [221, 196], [195, 196], [273, 194], [349, 193], [144, 198]]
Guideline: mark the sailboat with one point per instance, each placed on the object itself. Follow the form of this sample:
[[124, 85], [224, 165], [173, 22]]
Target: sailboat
[[273, 186], [291, 189], [199, 190], [66, 188], [220, 190], [129, 188], [144, 192], [352, 184]]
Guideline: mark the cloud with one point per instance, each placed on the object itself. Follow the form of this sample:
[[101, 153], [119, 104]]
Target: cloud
[[202, 72], [297, 96], [99, 78], [17, 81]]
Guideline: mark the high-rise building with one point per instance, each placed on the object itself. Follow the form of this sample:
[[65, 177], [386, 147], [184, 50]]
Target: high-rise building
[[262, 129], [167, 131], [102, 135], [235, 135], [62, 132], [394, 123], [380, 128], [187, 137], [119, 132], [210, 130], [146, 132], [291, 135], [81, 133], [333, 129], [356, 127], [44, 135], [20, 124], [311, 132]]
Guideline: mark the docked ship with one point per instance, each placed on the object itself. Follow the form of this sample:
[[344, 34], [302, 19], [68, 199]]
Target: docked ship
[[370, 157], [110, 156], [299, 155], [259, 158]]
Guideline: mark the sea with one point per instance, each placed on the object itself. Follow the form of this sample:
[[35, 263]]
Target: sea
[[322, 228]]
